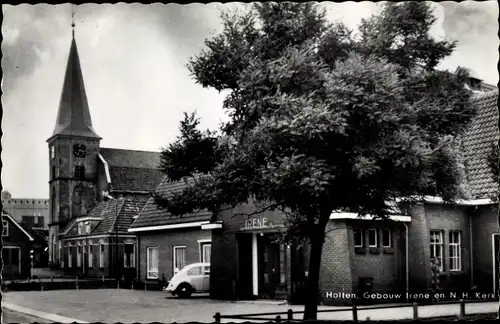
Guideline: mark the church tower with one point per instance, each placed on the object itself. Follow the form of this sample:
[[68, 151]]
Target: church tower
[[73, 155]]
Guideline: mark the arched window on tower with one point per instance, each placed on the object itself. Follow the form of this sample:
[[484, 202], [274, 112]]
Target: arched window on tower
[[79, 171], [53, 205]]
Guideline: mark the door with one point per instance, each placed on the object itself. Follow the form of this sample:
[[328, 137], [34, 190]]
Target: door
[[273, 270]]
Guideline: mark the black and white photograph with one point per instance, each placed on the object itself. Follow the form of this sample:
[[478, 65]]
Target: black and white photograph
[[250, 162]]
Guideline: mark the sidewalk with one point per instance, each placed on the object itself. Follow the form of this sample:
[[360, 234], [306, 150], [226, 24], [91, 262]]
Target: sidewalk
[[43, 315]]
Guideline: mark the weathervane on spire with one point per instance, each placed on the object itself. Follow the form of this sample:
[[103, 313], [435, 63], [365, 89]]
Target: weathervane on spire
[[73, 20]]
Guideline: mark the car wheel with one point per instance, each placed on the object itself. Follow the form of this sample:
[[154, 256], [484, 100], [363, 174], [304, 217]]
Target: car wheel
[[184, 290]]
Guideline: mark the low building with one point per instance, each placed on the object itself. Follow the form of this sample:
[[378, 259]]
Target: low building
[[98, 244], [16, 249], [390, 257], [31, 212], [167, 243]]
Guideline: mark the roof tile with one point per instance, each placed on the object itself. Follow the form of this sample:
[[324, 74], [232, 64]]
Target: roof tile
[[151, 215], [110, 222], [481, 134]]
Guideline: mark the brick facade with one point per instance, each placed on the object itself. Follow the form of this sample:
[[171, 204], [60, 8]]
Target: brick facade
[[343, 266], [108, 268], [485, 222], [166, 241]]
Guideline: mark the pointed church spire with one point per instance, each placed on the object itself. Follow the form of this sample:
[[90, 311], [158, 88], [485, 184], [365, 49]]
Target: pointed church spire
[[73, 21], [74, 115]]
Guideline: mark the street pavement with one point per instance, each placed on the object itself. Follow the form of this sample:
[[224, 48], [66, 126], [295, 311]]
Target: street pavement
[[9, 316], [130, 306]]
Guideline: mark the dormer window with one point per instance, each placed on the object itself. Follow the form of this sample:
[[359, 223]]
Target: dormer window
[[80, 228], [5, 228], [87, 227], [79, 171]]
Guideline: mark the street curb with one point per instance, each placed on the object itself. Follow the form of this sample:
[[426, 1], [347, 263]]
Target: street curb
[[263, 302], [43, 315]]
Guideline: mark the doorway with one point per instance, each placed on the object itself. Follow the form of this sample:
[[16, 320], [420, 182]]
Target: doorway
[[272, 268]]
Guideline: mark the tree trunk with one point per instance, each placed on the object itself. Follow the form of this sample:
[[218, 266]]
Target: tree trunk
[[312, 285]]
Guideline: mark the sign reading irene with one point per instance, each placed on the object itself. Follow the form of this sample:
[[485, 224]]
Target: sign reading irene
[[257, 222]]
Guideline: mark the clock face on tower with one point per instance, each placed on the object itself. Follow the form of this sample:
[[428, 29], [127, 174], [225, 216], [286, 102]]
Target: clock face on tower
[[79, 150]]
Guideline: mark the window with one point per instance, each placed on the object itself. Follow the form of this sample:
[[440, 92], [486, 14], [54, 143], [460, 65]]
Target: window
[[78, 256], [52, 152], [152, 262], [79, 171], [196, 271], [358, 238], [91, 256], [87, 227], [5, 228], [454, 249], [372, 238], [59, 253], [53, 205], [11, 256], [80, 228], [205, 249], [437, 247], [41, 221], [386, 238], [101, 255], [179, 258], [129, 256], [70, 257]]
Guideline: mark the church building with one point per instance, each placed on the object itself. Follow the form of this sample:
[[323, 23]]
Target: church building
[[95, 192]]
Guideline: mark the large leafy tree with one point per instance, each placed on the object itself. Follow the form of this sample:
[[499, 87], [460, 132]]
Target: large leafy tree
[[322, 119]]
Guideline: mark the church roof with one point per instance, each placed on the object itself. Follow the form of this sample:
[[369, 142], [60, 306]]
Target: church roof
[[482, 133], [132, 171], [151, 215], [73, 117], [111, 221]]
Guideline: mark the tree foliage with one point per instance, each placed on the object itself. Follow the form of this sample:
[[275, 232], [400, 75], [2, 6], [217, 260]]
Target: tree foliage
[[322, 120]]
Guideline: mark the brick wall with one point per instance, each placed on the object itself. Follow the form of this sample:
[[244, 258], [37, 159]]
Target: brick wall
[[419, 250], [335, 269], [452, 218], [108, 258], [165, 241], [224, 267], [384, 265], [484, 224]]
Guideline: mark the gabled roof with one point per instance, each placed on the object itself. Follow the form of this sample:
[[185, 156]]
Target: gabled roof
[[39, 235], [74, 115], [134, 179], [131, 158], [482, 133], [152, 216], [132, 171], [116, 217], [12, 221]]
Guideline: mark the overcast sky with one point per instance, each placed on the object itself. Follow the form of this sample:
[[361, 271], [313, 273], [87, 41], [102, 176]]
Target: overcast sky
[[134, 59]]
